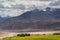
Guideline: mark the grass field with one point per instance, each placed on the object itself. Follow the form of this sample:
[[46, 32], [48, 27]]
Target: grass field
[[35, 37]]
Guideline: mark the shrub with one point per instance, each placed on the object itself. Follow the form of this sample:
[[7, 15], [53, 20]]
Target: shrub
[[27, 34], [56, 33], [43, 34], [23, 35]]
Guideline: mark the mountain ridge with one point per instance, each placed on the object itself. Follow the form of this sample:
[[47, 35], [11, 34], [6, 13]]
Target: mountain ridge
[[36, 19]]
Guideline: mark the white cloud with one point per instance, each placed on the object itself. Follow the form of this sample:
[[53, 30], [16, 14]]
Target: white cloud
[[5, 4], [10, 12], [26, 3]]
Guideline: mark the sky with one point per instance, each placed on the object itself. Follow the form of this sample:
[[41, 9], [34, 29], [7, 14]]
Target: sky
[[17, 7]]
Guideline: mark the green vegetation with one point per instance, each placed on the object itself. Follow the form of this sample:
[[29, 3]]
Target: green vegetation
[[56, 33], [35, 37], [23, 35]]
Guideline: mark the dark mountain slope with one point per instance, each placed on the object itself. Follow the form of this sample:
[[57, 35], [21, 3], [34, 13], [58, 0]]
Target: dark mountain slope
[[36, 19]]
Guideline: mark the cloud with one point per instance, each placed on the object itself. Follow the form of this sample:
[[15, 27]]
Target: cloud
[[1, 6], [56, 3], [9, 3], [46, 0], [10, 12], [5, 4], [26, 3], [17, 7]]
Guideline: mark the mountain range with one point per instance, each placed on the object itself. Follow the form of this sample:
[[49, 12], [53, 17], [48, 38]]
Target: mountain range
[[34, 19]]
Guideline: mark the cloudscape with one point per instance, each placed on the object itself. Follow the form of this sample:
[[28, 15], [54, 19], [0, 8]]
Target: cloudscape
[[17, 7]]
